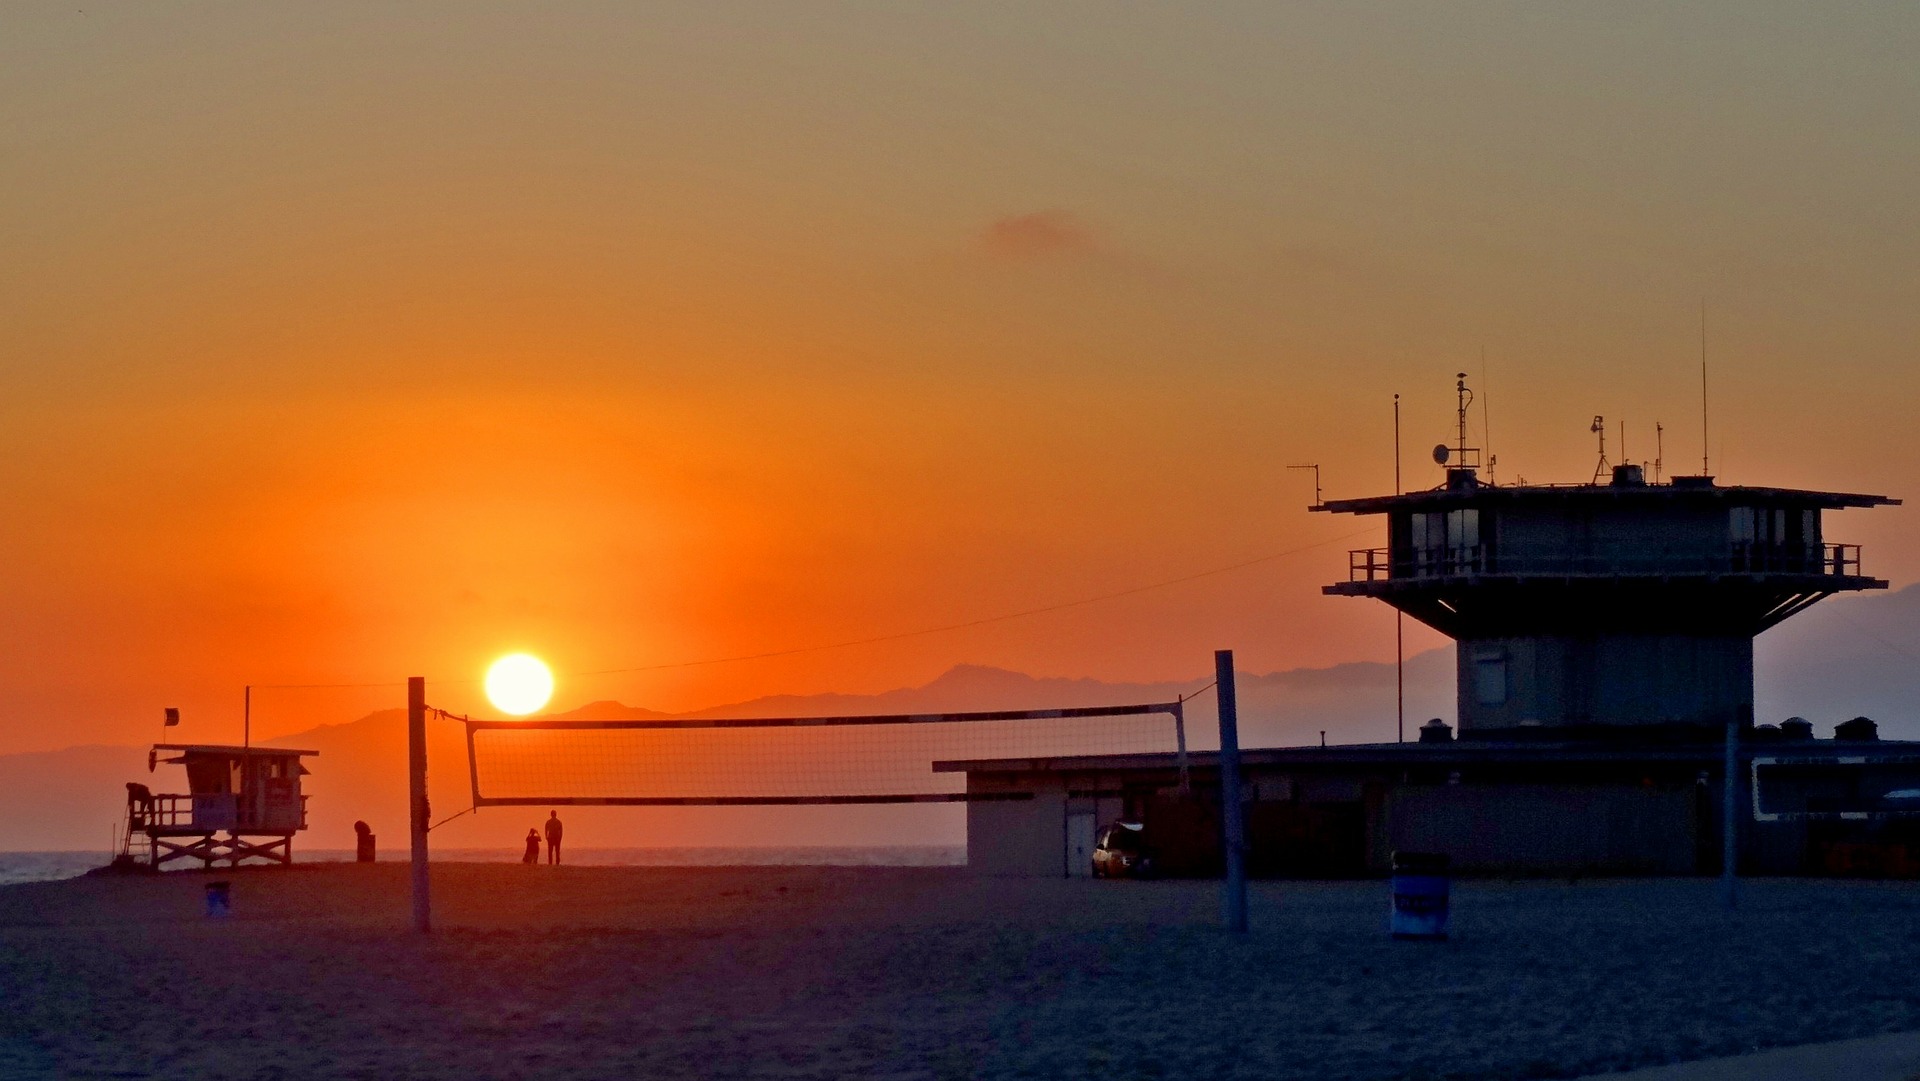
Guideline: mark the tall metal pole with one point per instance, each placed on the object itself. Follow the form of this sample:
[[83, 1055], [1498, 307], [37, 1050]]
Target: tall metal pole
[[1232, 811], [1704, 467], [417, 797], [244, 794], [1729, 808], [1399, 617]]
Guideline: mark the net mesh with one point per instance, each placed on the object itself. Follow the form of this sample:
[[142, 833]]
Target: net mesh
[[821, 760]]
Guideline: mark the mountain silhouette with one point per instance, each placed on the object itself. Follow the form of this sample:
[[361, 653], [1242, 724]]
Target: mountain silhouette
[[1845, 657]]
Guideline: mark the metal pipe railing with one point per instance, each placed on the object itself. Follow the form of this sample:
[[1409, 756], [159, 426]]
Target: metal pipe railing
[[1380, 564]]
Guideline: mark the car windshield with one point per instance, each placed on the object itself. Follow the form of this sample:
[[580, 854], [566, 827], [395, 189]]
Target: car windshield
[[1122, 839]]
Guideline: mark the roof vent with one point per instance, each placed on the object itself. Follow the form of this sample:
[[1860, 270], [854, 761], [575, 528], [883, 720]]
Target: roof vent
[[1858, 730], [1796, 728], [1629, 476], [1436, 731]]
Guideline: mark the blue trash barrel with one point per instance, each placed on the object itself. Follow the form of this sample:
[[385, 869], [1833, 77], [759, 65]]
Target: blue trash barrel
[[219, 900], [1420, 887]]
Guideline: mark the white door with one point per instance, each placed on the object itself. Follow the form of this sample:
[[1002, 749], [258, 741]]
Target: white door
[[1080, 845]]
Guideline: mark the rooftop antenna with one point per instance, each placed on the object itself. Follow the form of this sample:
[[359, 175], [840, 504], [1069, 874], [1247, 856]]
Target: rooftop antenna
[[1459, 457], [1659, 449], [1704, 469], [1486, 415], [1465, 398], [1599, 428], [1397, 489], [1315, 466]]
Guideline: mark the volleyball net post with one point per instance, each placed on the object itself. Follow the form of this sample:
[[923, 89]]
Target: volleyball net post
[[418, 811], [1232, 810]]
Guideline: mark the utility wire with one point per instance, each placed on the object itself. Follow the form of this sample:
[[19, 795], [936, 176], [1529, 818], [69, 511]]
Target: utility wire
[[1023, 614], [877, 639]]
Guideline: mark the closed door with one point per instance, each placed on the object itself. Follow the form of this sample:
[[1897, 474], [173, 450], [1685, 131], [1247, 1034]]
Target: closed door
[[1079, 845]]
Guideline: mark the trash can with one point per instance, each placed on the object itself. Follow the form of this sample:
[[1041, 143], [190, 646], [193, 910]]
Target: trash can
[[219, 900], [1420, 888]]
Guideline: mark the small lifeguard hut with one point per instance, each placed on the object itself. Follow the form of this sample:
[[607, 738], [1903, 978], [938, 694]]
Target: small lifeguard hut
[[241, 803]]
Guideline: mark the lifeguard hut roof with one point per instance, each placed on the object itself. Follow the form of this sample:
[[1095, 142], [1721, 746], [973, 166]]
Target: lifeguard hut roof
[[229, 752]]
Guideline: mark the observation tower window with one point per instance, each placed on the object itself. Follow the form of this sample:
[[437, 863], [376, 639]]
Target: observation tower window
[[1490, 677], [1446, 542]]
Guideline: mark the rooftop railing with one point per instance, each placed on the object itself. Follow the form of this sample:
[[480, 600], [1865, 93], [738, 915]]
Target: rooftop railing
[[1382, 564]]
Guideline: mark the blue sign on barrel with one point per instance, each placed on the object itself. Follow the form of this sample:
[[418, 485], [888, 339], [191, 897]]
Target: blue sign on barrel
[[1420, 887], [219, 900]]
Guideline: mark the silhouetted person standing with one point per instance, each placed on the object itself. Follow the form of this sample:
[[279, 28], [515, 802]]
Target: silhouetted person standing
[[533, 846], [554, 830]]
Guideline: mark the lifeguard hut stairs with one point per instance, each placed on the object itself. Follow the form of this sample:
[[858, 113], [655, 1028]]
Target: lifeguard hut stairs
[[242, 803]]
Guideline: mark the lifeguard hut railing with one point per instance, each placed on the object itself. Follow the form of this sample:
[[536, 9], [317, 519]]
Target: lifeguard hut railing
[[206, 812]]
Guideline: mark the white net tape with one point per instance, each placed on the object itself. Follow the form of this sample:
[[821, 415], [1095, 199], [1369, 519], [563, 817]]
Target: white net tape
[[789, 760]]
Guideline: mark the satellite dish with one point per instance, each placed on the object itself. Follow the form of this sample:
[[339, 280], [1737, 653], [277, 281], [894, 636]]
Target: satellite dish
[[1440, 454]]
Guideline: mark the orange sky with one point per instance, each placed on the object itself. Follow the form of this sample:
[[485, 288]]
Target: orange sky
[[341, 343]]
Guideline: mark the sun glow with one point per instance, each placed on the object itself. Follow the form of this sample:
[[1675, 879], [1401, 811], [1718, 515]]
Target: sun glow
[[519, 683]]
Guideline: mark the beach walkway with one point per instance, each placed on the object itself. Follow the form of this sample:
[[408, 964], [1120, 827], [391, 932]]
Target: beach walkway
[[1893, 1057]]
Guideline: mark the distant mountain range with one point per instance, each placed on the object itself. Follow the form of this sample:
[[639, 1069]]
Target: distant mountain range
[[1848, 656]]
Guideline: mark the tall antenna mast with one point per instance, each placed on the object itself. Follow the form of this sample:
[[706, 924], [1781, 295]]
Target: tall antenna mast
[[1396, 446], [1599, 428], [1399, 617], [1465, 398], [1659, 449], [1486, 416], [1704, 469], [1459, 459]]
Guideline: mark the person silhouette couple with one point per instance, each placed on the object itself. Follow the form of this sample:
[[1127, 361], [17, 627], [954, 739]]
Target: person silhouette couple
[[554, 832]]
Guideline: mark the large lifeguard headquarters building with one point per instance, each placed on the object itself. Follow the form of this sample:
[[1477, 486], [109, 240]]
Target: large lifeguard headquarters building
[[1604, 638]]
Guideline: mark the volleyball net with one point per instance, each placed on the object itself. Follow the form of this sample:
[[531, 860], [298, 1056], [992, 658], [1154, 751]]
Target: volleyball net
[[791, 760]]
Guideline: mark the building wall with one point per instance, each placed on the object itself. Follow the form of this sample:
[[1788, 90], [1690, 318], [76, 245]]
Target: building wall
[[1314, 821], [1604, 679], [1018, 837], [1548, 828]]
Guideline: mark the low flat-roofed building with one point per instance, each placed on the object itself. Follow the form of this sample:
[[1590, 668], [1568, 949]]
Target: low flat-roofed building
[[1542, 806]]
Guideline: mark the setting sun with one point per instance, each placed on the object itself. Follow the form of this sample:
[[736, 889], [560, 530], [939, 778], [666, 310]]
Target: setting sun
[[519, 683]]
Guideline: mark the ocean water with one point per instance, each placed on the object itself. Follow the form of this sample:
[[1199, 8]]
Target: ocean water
[[49, 866]]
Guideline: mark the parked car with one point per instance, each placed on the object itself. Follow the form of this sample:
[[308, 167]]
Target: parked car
[[1120, 851]]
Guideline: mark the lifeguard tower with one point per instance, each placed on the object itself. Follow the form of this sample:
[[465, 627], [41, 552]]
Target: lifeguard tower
[[241, 803], [1612, 607]]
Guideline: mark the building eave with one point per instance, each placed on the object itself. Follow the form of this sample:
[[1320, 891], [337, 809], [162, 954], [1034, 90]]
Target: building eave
[[1453, 753], [1494, 495]]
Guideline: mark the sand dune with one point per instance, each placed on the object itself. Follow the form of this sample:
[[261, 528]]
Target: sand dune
[[921, 973]]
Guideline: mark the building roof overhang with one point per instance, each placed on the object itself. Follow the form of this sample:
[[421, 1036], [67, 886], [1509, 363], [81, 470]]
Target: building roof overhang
[[1497, 495], [1453, 753], [227, 750]]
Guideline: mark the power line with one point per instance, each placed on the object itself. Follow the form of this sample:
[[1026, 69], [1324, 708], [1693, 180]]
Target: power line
[[877, 639], [1063, 606]]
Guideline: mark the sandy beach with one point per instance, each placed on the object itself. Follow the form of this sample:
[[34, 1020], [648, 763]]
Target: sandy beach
[[922, 973]]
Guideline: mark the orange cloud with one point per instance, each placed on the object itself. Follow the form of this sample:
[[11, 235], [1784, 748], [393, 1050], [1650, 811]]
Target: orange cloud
[[1042, 234]]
